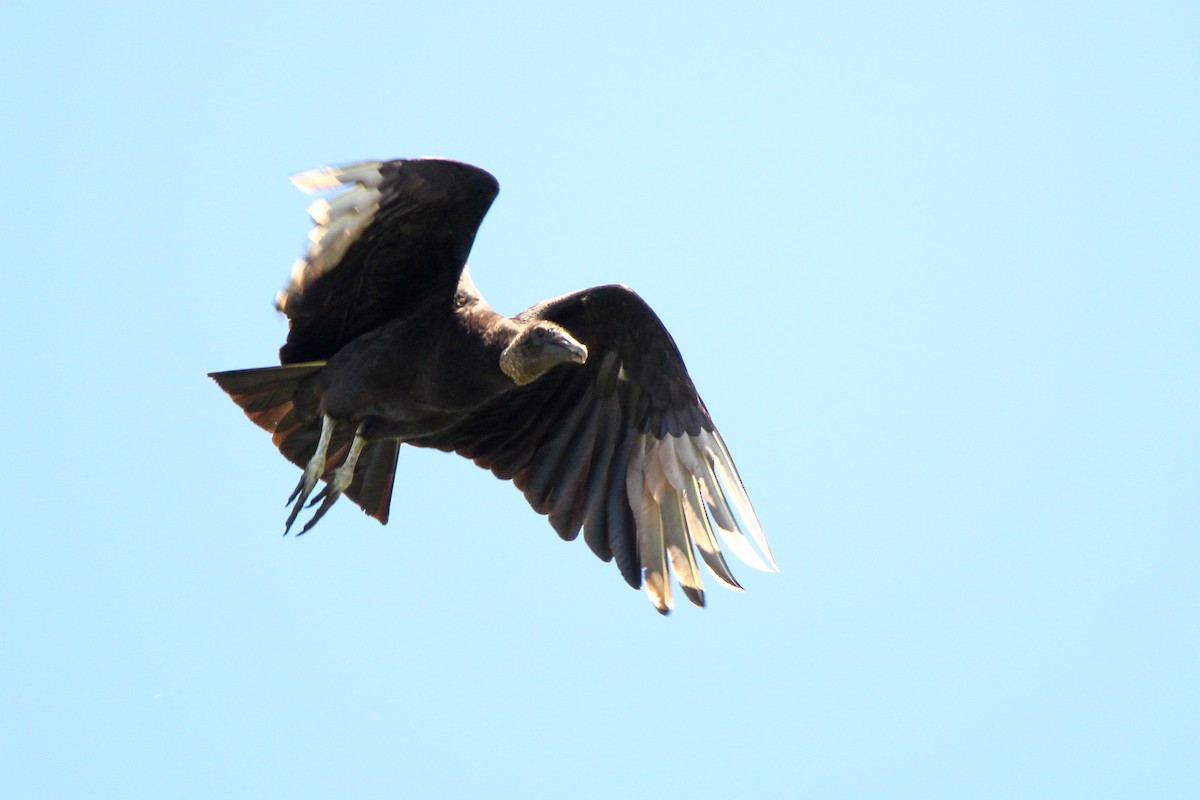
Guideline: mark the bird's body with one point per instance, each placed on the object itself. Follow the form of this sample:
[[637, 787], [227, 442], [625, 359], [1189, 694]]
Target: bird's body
[[417, 369], [582, 401]]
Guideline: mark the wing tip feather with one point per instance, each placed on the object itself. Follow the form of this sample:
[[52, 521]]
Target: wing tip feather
[[366, 173], [688, 486]]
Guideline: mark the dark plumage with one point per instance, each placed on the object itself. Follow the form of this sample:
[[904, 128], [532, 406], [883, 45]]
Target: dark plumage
[[583, 401]]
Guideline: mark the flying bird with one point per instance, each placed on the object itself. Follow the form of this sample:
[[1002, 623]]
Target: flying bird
[[583, 401]]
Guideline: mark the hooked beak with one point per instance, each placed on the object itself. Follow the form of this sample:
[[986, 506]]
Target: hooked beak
[[577, 349]]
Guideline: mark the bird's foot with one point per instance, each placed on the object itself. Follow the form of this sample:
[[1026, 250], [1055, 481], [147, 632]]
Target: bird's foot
[[312, 473], [338, 482]]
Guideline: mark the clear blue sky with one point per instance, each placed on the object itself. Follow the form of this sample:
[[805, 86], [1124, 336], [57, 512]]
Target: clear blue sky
[[935, 268]]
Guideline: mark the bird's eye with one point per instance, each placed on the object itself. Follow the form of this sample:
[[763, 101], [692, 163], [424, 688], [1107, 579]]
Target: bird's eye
[[539, 334]]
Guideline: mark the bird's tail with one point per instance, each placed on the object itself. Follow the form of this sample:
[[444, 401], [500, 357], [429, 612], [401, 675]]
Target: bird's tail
[[285, 402]]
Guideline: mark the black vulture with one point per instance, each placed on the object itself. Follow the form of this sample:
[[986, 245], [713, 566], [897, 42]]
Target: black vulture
[[583, 401]]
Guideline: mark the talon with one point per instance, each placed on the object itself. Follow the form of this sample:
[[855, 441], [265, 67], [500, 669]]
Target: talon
[[295, 491], [328, 504], [319, 496], [337, 483], [312, 473]]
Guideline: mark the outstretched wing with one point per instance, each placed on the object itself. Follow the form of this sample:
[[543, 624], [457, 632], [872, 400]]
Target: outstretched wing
[[621, 447], [395, 238]]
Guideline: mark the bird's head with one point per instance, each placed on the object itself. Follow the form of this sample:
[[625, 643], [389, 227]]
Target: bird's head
[[536, 349]]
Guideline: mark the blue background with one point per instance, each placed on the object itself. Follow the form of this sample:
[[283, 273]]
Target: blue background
[[933, 266]]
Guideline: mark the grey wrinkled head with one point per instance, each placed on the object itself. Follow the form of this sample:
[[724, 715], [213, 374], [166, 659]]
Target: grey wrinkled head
[[537, 349]]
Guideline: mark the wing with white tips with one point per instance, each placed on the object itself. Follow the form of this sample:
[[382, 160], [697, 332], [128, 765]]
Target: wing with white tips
[[391, 235], [622, 448]]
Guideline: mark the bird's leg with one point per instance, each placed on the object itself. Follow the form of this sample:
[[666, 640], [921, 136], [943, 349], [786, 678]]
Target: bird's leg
[[340, 480], [312, 472]]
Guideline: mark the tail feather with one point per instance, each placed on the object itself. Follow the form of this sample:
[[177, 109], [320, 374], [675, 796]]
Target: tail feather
[[284, 402], [371, 489]]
